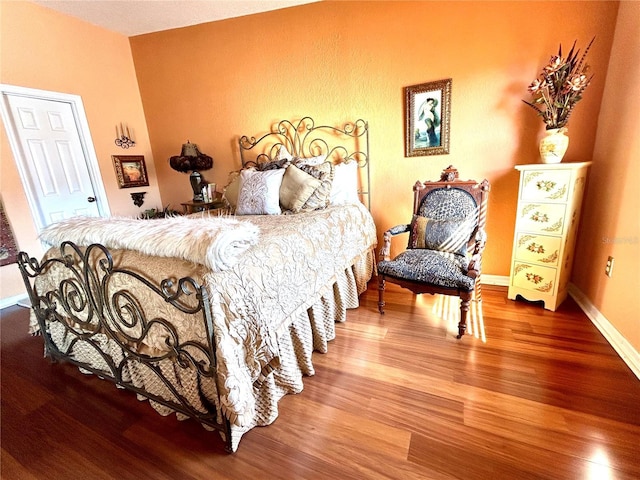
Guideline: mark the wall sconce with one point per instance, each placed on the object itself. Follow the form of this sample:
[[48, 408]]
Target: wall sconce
[[138, 198], [124, 140]]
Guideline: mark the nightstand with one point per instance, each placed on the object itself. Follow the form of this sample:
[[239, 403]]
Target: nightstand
[[193, 207]]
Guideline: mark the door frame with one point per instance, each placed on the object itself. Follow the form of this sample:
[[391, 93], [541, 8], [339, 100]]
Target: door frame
[[82, 127]]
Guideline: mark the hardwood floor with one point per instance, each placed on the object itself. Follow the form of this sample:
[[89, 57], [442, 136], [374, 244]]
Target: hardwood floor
[[396, 397]]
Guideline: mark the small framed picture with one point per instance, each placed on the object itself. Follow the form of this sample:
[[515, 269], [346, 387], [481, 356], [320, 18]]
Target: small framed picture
[[131, 171], [427, 118]]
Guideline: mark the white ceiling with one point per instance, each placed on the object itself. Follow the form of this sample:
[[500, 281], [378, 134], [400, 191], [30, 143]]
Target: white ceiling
[[136, 17]]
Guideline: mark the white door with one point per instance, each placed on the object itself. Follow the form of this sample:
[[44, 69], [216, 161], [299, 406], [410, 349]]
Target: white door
[[52, 158]]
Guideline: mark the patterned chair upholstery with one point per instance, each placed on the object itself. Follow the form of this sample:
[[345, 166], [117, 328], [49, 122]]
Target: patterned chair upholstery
[[446, 240]]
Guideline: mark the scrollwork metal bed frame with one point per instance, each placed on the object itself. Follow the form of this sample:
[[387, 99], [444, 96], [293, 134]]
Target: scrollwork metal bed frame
[[89, 311], [92, 309]]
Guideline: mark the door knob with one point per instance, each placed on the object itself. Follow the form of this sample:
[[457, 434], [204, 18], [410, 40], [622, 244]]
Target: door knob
[[91, 199]]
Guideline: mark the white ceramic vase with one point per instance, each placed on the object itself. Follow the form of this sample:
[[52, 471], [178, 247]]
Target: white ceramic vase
[[554, 145]]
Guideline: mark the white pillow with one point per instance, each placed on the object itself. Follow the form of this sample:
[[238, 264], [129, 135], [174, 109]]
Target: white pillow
[[283, 154], [260, 192], [344, 189]]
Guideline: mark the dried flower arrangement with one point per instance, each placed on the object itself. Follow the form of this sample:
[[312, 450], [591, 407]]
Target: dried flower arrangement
[[560, 86]]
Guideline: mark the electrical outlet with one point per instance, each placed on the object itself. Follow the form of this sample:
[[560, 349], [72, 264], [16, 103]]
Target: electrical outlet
[[609, 268]]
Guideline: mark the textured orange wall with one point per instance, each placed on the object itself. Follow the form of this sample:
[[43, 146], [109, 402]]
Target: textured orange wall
[[612, 225], [43, 49], [338, 61]]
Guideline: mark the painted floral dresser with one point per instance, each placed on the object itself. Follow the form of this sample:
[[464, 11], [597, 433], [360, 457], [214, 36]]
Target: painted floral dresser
[[549, 204]]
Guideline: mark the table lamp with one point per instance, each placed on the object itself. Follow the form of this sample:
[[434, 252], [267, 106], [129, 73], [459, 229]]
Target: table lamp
[[192, 160]]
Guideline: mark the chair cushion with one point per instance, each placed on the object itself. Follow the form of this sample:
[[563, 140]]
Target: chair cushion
[[451, 235], [430, 267]]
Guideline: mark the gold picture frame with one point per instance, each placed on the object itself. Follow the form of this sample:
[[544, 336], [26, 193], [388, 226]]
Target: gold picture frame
[[427, 118], [131, 171]]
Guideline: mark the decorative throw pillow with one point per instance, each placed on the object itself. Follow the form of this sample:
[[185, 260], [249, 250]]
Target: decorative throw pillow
[[232, 189], [260, 192], [344, 189], [324, 173], [312, 161], [449, 236], [273, 165], [297, 186]]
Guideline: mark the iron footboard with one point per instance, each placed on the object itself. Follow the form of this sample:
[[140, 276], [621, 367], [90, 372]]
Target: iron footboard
[[93, 316]]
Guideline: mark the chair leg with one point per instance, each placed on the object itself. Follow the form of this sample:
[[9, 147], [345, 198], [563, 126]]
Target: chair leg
[[465, 302], [381, 285]]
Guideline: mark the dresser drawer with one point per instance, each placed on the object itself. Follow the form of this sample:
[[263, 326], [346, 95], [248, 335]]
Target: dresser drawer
[[533, 277], [546, 218], [545, 186], [540, 249]]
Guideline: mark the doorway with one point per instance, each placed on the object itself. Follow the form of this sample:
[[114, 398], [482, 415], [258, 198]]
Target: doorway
[[50, 140]]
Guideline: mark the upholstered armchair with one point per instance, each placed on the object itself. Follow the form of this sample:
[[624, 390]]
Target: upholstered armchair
[[446, 241]]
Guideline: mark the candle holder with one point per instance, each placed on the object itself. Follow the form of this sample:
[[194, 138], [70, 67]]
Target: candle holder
[[124, 140]]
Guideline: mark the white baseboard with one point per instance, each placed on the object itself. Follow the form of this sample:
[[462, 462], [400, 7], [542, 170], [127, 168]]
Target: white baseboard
[[499, 280], [15, 300], [621, 345]]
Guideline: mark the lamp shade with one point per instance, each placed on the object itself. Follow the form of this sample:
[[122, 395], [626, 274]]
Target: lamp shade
[[190, 159]]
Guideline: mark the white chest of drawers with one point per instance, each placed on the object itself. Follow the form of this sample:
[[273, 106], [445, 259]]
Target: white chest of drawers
[[549, 204]]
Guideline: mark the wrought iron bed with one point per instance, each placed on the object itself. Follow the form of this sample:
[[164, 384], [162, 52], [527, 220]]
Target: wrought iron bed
[[96, 308]]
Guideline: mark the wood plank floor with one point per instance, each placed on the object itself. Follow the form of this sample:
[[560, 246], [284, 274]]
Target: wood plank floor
[[544, 396]]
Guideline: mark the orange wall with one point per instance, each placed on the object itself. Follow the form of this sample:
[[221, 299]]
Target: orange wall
[[338, 61], [612, 226], [45, 50], [342, 60]]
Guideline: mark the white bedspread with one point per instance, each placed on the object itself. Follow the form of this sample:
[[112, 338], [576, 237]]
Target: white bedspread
[[295, 262]]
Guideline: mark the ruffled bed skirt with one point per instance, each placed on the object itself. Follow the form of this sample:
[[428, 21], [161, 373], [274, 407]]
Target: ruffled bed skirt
[[309, 331]]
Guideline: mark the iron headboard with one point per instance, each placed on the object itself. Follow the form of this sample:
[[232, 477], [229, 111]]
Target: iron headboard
[[305, 139]]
